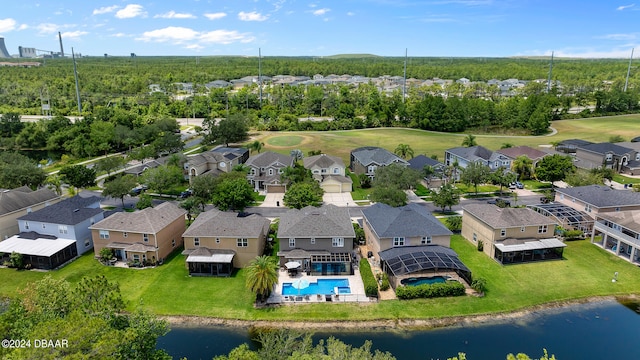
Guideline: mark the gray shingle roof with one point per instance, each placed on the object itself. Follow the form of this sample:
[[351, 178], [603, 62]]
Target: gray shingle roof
[[374, 155], [472, 153], [409, 220], [22, 198], [322, 161], [602, 196], [216, 223], [268, 158], [603, 148], [627, 219], [147, 221], [527, 151], [69, 211], [499, 218], [420, 161], [326, 221]]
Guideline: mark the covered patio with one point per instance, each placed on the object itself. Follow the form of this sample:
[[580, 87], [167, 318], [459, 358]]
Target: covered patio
[[39, 251], [400, 262], [514, 251], [209, 262]]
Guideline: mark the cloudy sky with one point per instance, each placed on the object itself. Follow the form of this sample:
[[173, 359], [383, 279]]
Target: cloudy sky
[[459, 28]]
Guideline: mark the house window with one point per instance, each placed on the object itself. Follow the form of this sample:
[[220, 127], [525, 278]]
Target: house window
[[542, 229], [136, 257], [44, 226], [638, 156], [324, 171], [125, 234], [292, 242], [26, 225], [503, 232], [522, 228], [371, 169], [29, 210], [561, 196], [104, 234], [145, 237], [426, 240], [217, 240], [609, 157], [336, 170], [173, 242], [270, 171], [475, 237], [398, 241], [280, 171], [617, 209], [243, 242], [196, 241], [253, 171], [337, 242], [587, 208], [87, 243], [313, 240], [62, 229]]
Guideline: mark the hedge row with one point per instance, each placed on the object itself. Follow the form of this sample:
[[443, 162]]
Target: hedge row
[[369, 281], [450, 288]]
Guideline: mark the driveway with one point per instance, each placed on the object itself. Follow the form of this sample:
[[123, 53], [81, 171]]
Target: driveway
[[338, 199], [273, 200]]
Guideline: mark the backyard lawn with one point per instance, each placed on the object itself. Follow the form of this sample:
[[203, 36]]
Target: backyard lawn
[[168, 289]]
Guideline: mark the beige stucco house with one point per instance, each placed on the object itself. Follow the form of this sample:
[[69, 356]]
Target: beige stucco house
[[217, 242], [149, 235], [329, 171]]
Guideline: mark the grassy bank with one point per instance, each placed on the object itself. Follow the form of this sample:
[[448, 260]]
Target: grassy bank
[[168, 290]]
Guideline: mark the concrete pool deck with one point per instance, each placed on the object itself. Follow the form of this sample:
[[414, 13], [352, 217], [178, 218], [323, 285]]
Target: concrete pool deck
[[355, 284]]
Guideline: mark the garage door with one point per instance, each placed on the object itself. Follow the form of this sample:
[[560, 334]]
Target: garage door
[[276, 188], [332, 188]]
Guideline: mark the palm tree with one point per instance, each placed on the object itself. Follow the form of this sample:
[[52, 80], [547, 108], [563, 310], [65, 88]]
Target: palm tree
[[262, 275], [469, 141], [404, 151], [255, 146], [523, 166]]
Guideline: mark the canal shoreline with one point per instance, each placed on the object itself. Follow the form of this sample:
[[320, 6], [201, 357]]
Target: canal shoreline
[[393, 324]]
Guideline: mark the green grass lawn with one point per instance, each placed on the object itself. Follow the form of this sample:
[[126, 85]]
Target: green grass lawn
[[285, 140], [625, 180], [168, 289]]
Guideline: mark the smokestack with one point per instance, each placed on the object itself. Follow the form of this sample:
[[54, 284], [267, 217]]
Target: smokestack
[[3, 49], [61, 48]]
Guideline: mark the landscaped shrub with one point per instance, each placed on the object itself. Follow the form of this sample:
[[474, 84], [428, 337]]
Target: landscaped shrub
[[383, 280], [479, 285], [369, 281], [480, 245], [573, 234], [449, 288]]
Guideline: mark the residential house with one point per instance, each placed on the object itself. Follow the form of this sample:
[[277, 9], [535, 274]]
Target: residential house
[[419, 162], [633, 165], [511, 235], [607, 155], [329, 171], [367, 159], [215, 162], [478, 154], [149, 235], [265, 170], [513, 153], [149, 164], [619, 232], [386, 227], [217, 242], [598, 199], [17, 202], [570, 146], [68, 219], [320, 239]]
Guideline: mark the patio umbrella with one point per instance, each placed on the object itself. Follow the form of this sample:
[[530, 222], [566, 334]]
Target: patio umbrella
[[300, 284], [292, 265]]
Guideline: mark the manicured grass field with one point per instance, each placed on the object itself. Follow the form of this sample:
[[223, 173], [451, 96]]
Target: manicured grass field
[[285, 140], [168, 290]]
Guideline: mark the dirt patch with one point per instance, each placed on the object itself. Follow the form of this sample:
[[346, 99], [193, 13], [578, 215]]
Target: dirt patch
[[401, 324]]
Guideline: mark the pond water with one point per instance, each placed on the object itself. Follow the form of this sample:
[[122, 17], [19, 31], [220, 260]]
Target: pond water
[[603, 330]]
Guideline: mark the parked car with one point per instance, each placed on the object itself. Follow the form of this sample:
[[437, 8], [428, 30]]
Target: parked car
[[499, 202], [185, 194], [519, 185], [138, 190]]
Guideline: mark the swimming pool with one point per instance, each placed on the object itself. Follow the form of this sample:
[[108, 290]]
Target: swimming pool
[[322, 287], [424, 280]]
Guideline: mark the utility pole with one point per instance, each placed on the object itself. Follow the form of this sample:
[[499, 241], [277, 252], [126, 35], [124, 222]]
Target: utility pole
[[404, 83], [550, 70], [75, 73], [626, 81]]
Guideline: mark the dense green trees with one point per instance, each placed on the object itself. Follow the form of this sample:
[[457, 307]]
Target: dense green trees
[[304, 193], [554, 168], [475, 174], [119, 187], [18, 170]]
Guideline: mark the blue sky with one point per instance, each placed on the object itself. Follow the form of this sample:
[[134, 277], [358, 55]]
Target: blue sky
[[458, 28]]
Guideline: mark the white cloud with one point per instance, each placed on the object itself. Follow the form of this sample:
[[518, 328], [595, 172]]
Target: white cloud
[[23, 27], [174, 15], [130, 11], [72, 34], [47, 28], [119, 35], [622, 7], [196, 47], [215, 16], [172, 33], [624, 37], [7, 24], [105, 9], [350, 13], [251, 16], [320, 12], [225, 37]]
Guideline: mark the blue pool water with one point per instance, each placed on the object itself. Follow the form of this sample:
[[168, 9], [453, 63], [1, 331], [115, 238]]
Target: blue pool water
[[322, 287], [424, 280]]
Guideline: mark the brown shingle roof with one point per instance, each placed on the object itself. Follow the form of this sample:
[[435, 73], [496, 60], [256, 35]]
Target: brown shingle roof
[[216, 223], [147, 221], [499, 218]]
